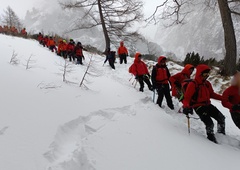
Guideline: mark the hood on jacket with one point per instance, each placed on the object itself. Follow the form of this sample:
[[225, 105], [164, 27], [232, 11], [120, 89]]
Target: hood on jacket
[[187, 69], [201, 68], [160, 59], [121, 43], [137, 55]]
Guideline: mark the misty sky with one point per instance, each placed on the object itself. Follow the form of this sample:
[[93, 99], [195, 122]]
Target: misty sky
[[20, 7]]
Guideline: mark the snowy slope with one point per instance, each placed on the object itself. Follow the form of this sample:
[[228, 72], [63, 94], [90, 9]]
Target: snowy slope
[[47, 124]]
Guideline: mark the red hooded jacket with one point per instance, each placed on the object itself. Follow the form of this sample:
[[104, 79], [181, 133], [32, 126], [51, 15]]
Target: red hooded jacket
[[180, 77], [205, 90], [122, 49], [138, 67], [231, 97]]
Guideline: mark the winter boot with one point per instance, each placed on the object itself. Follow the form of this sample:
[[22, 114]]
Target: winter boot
[[221, 128], [141, 89], [150, 88], [211, 137]]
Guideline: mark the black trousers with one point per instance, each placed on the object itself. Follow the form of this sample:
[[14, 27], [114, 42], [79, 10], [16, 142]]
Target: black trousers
[[142, 79], [123, 57], [111, 62], [79, 59], [164, 90], [236, 118], [71, 55], [206, 112]]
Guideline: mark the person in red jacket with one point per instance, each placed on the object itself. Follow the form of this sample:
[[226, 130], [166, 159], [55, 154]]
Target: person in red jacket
[[140, 71], [231, 99], [177, 80], [24, 32], [160, 80], [51, 44], [78, 51], [122, 53], [40, 38], [70, 50], [62, 49], [197, 97], [1, 29]]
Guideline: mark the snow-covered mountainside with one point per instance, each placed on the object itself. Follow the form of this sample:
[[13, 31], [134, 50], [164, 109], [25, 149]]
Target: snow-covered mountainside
[[201, 32], [107, 124]]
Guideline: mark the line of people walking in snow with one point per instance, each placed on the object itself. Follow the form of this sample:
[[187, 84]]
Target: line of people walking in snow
[[71, 50], [13, 31], [195, 94]]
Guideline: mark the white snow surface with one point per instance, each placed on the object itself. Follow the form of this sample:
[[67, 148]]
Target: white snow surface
[[47, 124]]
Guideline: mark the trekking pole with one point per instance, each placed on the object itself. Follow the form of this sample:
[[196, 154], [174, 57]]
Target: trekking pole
[[130, 78], [188, 122], [153, 95], [135, 83]]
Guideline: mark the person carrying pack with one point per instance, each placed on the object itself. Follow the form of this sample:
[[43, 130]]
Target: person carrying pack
[[231, 99], [110, 57], [202, 103], [177, 80], [160, 80], [122, 53], [140, 71]]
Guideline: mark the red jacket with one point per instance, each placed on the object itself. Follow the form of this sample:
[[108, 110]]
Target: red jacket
[[231, 97], [70, 47], [180, 77], [122, 49], [205, 90], [139, 67]]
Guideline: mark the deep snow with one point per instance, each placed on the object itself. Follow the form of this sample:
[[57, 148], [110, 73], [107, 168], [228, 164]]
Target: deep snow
[[47, 124]]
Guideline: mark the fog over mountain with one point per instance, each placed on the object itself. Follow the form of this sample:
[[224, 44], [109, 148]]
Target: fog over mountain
[[201, 32], [50, 18]]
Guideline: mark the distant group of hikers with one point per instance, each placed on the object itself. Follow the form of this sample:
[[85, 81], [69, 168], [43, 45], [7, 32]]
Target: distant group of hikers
[[195, 94], [12, 30]]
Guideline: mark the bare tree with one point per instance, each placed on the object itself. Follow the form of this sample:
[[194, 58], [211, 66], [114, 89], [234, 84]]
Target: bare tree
[[14, 60], [10, 18], [66, 68], [116, 17], [178, 9], [30, 62]]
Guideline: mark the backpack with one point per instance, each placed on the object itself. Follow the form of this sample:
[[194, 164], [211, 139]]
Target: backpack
[[185, 83], [131, 68], [112, 55]]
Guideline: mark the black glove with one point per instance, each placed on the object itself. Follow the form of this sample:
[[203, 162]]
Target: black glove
[[136, 77], [186, 111], [236, 107]]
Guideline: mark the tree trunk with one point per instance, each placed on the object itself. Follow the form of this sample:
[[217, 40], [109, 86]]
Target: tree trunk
[[107, 39], [229, 37]]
